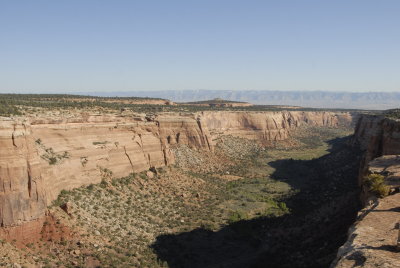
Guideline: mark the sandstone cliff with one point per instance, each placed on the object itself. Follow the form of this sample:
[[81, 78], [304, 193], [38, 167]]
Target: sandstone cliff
[[269, 126], [378, 136], [39, 157], [21, 183]]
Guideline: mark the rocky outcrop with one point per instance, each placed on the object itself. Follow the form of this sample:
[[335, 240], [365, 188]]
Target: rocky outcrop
[[373, 238], [378, 136], [39, 157]]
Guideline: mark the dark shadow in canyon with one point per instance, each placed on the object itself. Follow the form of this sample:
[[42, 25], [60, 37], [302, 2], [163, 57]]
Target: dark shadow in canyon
[[390, 248], [324, 205], [396, 209]]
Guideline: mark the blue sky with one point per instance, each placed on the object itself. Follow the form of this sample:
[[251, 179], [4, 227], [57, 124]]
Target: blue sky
[[115, 45]]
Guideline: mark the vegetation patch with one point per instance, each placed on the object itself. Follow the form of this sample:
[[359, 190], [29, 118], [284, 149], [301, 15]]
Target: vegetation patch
[[393, 113], [375, 184], [50, 155]]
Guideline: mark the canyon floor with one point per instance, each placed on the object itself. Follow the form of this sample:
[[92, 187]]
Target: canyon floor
[[286, 204]]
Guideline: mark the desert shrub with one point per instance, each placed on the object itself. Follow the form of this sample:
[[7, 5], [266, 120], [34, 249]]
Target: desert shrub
[[106, 174], [100, 142], [376, 184], [283, 207], [50, 156], [90, 187], [235, 216], [103, 183]]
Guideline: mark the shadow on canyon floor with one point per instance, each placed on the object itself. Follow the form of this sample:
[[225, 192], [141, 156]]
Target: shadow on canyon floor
[[322, 208]]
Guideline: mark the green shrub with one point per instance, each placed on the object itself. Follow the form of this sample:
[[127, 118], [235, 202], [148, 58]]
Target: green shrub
[[237, 216], [283, 207], [52, 160], [99, 142], [90, 187], [103, 183], [375, 183]]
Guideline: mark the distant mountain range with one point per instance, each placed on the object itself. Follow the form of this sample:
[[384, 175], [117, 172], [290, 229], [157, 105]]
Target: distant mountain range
[[315, 99]]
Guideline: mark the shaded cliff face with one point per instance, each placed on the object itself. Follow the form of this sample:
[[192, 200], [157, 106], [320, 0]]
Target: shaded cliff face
[[377, 136], [43, 156]]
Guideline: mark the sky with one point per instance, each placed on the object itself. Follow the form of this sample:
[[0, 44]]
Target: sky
[[116, 45]]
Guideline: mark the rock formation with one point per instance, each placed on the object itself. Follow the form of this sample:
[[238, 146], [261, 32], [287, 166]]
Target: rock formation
[[22, 195], [39, 157], [373, 238], [268, 126]]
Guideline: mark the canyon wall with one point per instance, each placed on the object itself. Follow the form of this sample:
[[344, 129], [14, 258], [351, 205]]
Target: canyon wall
[[39, 157], [373, 238], [42, 156], [269, 126], [377, 136]]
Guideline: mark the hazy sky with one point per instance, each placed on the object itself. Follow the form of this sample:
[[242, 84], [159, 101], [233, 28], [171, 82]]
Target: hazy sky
[[97, 45]]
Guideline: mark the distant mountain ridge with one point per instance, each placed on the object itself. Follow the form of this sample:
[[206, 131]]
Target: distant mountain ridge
[[315, 99]]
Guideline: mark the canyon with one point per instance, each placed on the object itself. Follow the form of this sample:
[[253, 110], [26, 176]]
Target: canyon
[[43, 156], [119, 144]]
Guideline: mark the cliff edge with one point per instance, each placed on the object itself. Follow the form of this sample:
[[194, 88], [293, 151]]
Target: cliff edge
[[374, 237]]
